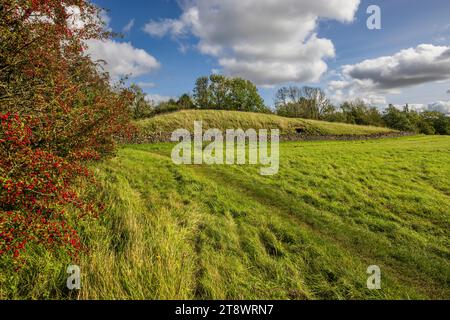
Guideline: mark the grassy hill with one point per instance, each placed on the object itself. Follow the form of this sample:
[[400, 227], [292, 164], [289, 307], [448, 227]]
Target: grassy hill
[[223, 120], [226, 232]]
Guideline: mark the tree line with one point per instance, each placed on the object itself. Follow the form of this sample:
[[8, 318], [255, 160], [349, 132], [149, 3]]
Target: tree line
[[221, 93], [312, 103], [214, 92]]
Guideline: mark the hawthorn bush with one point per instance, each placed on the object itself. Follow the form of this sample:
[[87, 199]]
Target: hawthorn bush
[[57, 112]]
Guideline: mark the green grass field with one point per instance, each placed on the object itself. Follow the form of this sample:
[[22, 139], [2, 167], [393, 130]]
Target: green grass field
[[226, 232], [216, 119]]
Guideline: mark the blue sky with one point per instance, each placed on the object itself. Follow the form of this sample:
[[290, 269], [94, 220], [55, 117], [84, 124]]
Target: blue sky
[[405, 24]]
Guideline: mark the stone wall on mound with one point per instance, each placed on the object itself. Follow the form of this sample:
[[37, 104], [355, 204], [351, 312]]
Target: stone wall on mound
[[159, 137], [300, 137]]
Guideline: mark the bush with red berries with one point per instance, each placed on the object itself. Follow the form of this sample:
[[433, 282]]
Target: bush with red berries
[[57, 112]]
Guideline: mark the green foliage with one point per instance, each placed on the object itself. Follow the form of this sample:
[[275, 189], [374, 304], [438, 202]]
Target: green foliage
[[166, 107], [243, 96], [358, 112], [397, 119], [435, 122], [222, 93], [185, 102], [305, 102], [140, 107], [202, 93], [429, 122]]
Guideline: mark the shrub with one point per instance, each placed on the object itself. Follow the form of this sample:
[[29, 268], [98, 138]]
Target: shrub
[[57, 111], [35, 188]]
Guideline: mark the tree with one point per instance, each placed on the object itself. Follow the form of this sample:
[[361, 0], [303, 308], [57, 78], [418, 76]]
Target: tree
[[202, 93], [185, 102], [289, 95], [439, 122], [358, 112], [317, 104], [398, 120], [334, 115], [243, 96], [218, 89], [292, 110], [282, 97], [140, 107], [425, 126], [220, 92], [305, 102]]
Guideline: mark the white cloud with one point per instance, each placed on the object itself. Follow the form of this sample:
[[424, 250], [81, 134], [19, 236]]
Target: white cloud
[[269, 42], [122, 59], [441, 106], [127, 28], [390, 74], [409, 67], [76, 21], [342, 90], [165, 26], [105, 18], [146, 84]]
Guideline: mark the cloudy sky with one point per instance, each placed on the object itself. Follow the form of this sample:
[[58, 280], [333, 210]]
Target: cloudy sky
[[167, 44]]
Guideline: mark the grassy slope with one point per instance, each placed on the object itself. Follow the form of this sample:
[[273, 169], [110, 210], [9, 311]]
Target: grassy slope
[[226, 232], [232, 119]]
